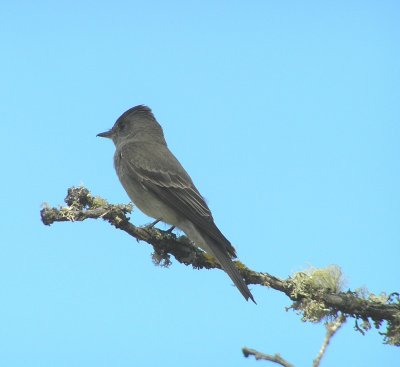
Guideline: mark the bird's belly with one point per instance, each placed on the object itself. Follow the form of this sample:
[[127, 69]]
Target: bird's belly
[[149, 203]]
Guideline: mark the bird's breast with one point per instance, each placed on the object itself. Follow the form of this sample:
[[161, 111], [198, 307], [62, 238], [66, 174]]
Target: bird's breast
[[143, 198]]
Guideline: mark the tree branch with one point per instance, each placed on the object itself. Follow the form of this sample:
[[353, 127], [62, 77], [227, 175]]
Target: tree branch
[[276, 358], [316, 295], [331, 329]]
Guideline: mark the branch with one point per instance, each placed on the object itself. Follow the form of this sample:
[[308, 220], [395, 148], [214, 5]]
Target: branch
[[316, 295], [276, 358], [331, 328]]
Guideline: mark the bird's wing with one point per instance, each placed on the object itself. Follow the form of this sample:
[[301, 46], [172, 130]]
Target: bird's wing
[[173, 186]]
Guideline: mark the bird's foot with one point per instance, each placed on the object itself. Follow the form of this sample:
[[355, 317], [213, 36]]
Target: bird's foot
[[151, 225]]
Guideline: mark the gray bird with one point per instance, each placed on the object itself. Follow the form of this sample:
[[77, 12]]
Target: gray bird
[[161, 188]]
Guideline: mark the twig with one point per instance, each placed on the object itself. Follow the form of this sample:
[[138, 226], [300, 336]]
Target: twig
[[276, 358], [331, 329]]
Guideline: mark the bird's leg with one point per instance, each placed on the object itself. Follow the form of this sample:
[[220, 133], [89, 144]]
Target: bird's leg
[[151, 225]]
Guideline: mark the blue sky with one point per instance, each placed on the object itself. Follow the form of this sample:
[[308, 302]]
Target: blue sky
[[287, 117]]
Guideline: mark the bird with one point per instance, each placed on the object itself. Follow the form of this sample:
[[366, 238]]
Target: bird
[[161, 188]]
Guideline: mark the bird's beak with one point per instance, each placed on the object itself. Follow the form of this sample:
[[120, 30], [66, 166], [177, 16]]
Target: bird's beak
[[106, 134]]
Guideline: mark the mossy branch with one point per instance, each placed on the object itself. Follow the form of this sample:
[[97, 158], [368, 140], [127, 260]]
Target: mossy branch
[[316, 294]]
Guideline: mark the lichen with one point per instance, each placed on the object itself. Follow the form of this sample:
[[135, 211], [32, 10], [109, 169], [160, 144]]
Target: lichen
[[306, 284]]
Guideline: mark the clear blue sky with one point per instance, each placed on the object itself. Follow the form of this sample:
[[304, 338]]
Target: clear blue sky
[[287, 116]]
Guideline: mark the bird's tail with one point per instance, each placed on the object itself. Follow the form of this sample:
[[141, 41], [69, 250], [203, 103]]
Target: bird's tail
[[230, 268]]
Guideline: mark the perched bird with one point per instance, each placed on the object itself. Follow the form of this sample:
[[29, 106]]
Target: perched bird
[[161, 188]]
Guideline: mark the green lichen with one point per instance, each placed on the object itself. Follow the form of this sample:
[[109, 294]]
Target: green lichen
[[97, 202], [308, 283]]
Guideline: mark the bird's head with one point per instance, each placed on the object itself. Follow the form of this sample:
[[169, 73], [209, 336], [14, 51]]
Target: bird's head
[[138, 124]]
